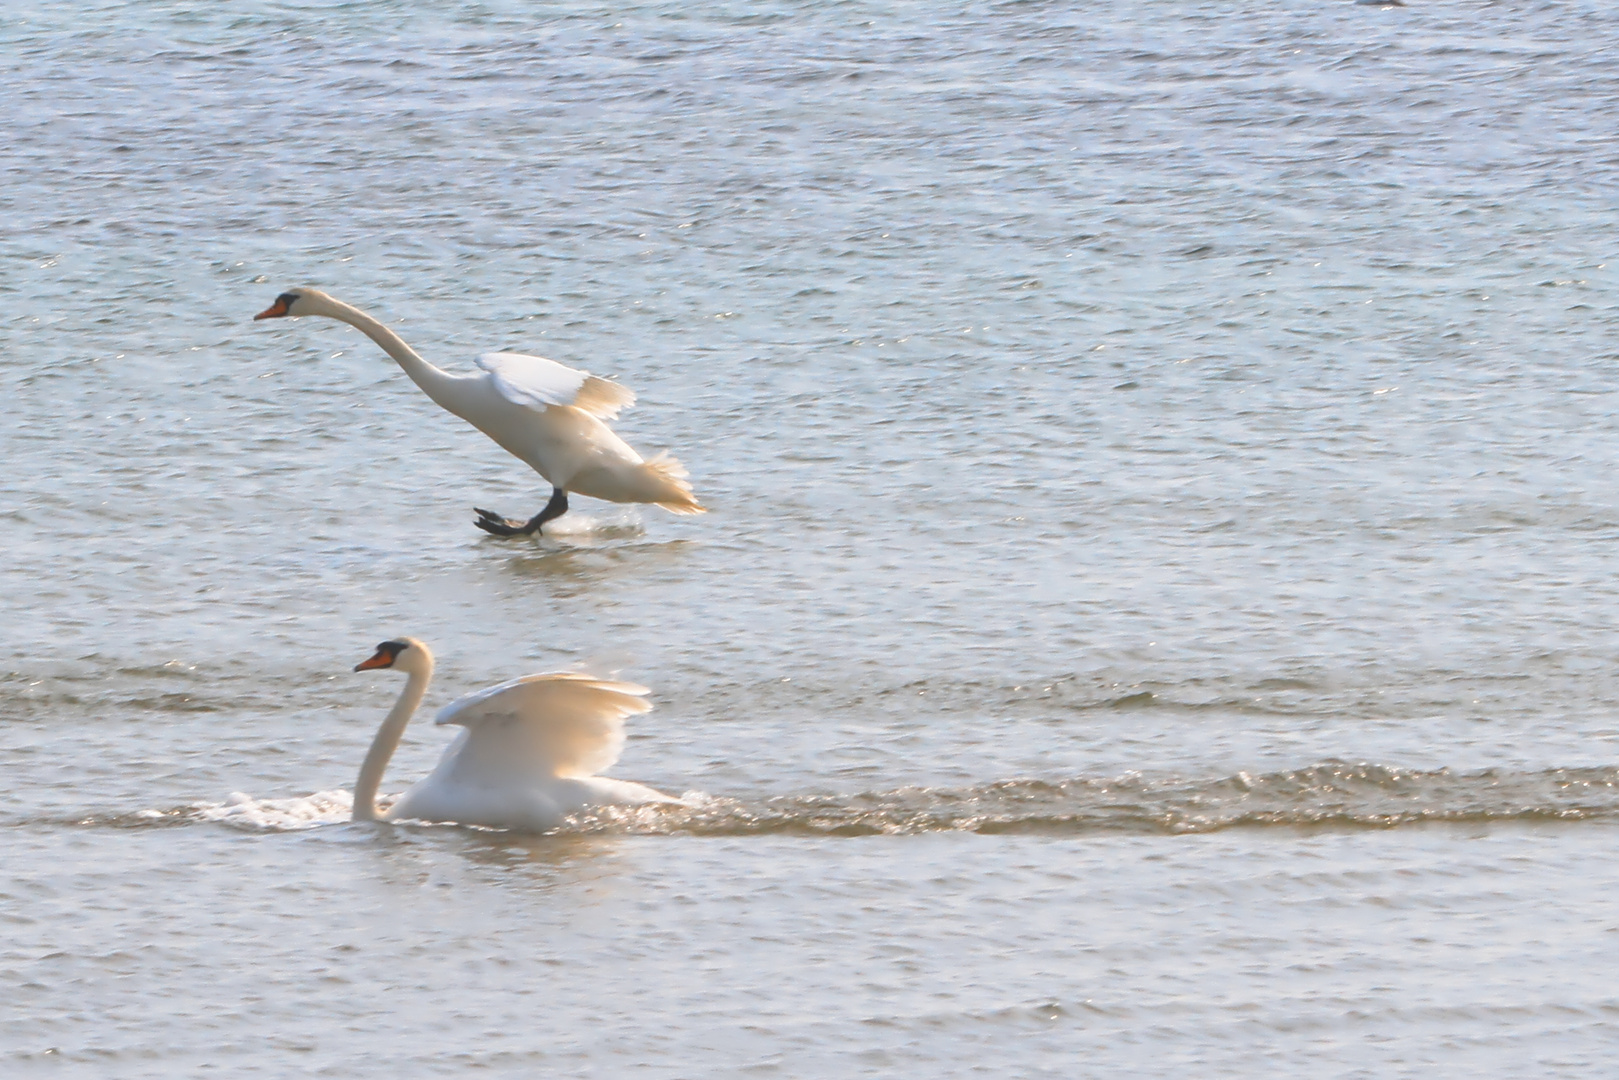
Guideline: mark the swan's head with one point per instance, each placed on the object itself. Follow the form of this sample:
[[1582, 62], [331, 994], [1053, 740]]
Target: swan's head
[[406, 654], [303, 301]]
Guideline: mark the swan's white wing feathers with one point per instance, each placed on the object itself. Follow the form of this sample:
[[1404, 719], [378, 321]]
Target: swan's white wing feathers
[[564, 724], [536, 382]]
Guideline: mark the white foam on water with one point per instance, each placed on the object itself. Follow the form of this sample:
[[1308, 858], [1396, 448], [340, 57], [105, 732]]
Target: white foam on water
[[279, 815], [596, 526]]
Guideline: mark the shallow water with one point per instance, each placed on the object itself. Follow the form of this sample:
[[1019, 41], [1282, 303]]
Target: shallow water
[[1155, 609]]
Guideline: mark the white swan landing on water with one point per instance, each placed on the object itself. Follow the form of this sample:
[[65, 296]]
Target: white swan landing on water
[[548, 415], [526, 757]]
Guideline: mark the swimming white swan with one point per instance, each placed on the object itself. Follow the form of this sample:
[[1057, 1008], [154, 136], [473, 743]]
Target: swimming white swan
[[544, 413], [526, 757]]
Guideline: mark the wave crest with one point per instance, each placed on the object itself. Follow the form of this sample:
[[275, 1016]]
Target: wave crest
[[1329, 795]]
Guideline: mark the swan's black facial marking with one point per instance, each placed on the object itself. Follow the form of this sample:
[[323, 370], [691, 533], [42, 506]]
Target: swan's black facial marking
[[279, 309], [384, 657]]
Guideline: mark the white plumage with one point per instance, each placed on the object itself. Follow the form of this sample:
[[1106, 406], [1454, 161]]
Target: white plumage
[[536, 382], [527, 758], [547, 414]]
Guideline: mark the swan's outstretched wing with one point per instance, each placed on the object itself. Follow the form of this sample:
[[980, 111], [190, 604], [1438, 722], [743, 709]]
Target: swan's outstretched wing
[[564, 724], [537, 382]]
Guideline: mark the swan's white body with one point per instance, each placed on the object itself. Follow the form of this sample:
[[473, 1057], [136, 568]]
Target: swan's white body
[[542, 412], [526, 757]]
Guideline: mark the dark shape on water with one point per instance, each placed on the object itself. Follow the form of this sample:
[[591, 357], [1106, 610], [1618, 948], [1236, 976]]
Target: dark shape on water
[[492, 523]]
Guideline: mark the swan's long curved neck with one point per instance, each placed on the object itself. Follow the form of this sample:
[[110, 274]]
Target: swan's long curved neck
[[435, 382], [386, 741]]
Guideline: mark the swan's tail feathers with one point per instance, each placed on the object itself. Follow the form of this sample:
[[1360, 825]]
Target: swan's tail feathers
[[667, 486]]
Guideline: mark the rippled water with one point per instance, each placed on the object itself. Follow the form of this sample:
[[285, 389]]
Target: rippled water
[[1155, 614]]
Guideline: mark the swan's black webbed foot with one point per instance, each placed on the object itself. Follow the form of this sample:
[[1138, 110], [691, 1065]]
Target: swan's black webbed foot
[[495, 525]]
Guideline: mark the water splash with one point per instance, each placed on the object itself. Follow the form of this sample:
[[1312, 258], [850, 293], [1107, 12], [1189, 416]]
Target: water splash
[[277, 815], [1328, 795]]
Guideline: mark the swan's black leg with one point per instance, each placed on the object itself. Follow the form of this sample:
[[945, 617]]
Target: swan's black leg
[[553, 509], [496, 525]]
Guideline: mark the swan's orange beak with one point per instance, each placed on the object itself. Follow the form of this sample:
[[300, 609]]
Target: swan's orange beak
[[381, 659], [274, 311]]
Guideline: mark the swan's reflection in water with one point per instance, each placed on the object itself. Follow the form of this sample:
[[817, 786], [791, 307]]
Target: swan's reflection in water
[[561, 851], [415, 856], [571, 571]]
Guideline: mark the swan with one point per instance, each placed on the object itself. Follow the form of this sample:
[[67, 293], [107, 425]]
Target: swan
[[526, 757], [548, 415]]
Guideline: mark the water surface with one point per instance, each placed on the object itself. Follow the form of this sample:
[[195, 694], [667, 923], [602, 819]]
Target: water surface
[[1155, 609]]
